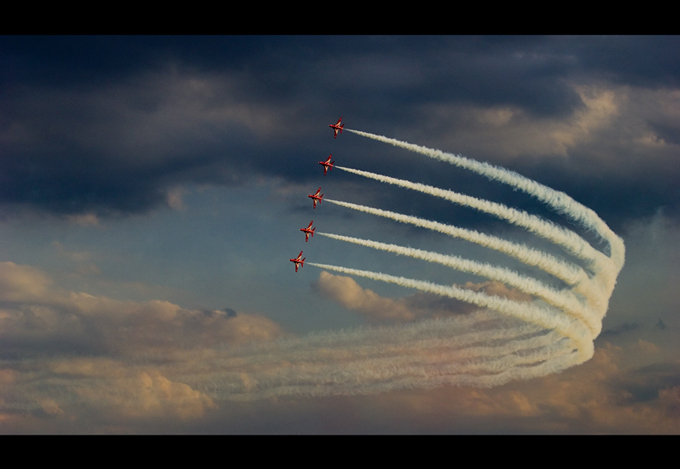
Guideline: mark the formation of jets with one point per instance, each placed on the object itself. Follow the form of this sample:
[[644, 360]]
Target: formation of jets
[[299, 261]]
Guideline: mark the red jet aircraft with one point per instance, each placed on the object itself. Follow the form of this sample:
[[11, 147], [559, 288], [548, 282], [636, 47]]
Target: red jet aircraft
[[299, 261], [336, 127], [308, 231], [328, 164], [316, 197]]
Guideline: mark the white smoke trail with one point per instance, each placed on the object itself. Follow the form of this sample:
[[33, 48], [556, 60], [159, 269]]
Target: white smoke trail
[[546, 317], [525, 340], [565, 300], [558, 200], [481, 349], [503, 341], [568, 273], [567, 239], [564, 315], [408, 370]]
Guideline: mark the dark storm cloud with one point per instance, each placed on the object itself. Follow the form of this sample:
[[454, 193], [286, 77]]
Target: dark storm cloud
[[107, 124], [69, 187], [72, 61], [618, 192], [666, 131], [526, 71], [646, 383], [623, 328], [520, 63], [649, 61], [410, 71]]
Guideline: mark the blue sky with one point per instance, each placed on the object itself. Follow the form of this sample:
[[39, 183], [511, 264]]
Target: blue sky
[[152, 190]]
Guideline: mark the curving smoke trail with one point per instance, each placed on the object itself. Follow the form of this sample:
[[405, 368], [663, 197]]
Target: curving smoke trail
[[565, 238], [568, 273], [558, 200], [503, 341], [481, 349], [573, 314], [547, 318], [564, 299]]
